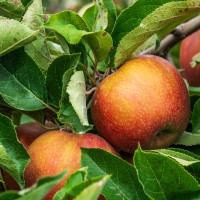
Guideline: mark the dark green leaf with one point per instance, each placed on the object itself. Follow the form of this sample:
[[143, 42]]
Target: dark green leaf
[[55, 75], [22, 84], [13, 157], [123, 183], [196, 116], [162, 177], [194, 91]]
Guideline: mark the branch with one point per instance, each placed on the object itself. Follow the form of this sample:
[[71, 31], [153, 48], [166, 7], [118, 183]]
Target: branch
[[174, 37]]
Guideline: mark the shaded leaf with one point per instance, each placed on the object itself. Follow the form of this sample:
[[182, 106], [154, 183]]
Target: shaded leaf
[[162, 177], [13, 35], [194, 91], [123, 183], [189, 139], [22, 84], [55, 75], [196, 117], [13, 157]]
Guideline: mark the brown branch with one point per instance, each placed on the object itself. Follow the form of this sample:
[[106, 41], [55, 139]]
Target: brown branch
[[174, 37]]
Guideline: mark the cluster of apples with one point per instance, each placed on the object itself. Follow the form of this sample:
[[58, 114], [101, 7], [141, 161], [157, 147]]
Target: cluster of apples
[[144, 102]]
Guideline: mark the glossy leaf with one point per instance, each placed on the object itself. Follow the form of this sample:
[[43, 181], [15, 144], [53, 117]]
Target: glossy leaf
[[13, 157], [22, 84], [123, 183], [15, 35], [76, 89], [162, 177]]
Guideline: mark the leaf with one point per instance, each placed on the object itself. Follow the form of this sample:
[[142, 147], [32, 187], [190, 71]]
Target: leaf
[[67, 115], [55, 74], [196, 116], [14, 157], [93, 191], [194, 91], [162, 177], [123, 183], [144, 18], [180, 157], [14, 36], [195, 60], [108, 14], [73, 28], [38, 49], [11, 9], [189, 139], [22, 84], [37, 191], [76, 89]]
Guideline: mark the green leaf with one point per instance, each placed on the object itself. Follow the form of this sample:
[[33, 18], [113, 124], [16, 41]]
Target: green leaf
[[73, 28], [26, 2], [55, 74], [123, 183], [38, 191], [13, 35], [195, 60], [180, 157], [22, 84], [76, 89], [14, 157], [189, 139], [196, 116], [144, 18], [11, 9], [108, 14], [38, 49], [93, 191], [194, 91], [162, 177], [90, 16], [67, 115]]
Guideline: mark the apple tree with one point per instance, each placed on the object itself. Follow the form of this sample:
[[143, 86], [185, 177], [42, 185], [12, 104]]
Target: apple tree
[[50, 67]]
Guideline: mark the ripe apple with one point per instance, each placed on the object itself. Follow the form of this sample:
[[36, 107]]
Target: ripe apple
[[55, 151], [26, 134], [190, 46], [145, 101]]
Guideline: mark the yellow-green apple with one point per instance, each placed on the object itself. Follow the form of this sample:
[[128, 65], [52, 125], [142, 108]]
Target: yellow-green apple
[[145, 101], [56, 151], [190, 47]]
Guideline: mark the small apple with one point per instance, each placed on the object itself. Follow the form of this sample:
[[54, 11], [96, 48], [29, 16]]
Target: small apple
[[56, 151], [145, 101], [190, 47]]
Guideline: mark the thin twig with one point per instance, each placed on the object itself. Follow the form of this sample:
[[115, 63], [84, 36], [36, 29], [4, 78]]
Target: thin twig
[[174, 37]]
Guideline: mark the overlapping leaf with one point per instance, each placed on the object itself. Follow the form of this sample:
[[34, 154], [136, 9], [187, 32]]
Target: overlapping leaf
[[15, 35], [13, 157], [145, 18], [22, 84]]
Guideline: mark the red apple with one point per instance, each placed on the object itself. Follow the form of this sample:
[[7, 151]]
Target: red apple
[[146, 101], [55, 151], [190, 46]]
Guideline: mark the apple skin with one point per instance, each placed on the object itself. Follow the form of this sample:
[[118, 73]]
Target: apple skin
[[189, 47], [56, 151], [145, 101]]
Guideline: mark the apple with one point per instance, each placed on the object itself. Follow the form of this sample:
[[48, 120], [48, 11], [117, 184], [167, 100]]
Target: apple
[[56, 151], [189, 47], [26, 134], [145, 101]]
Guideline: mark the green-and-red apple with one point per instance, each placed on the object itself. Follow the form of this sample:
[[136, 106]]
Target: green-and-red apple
[[190, 47], [56, 151], [145, 101]]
